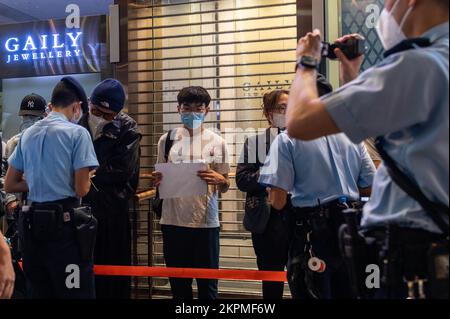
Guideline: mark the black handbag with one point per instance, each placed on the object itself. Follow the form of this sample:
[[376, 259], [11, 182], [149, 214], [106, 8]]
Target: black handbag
[[157, 202], [257, 213], [258, 207]]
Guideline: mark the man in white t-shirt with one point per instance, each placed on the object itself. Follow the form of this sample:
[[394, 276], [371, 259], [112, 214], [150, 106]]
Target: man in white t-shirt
[[190, 225]]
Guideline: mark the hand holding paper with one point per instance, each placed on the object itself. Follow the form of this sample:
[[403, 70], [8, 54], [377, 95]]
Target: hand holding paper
[[212, 177]]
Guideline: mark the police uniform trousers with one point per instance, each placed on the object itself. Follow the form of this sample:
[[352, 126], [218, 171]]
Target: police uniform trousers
[[333, 283], [54, 268]]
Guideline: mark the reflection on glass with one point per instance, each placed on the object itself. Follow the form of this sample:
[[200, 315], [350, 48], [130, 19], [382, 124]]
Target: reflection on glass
[[361, 16]]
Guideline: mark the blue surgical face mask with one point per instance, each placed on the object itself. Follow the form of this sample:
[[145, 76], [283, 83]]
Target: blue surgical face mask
[[193, 120]]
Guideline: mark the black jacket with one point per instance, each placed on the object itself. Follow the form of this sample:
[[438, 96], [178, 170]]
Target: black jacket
[[247, 175], [250, 163], [247, 172], [118, 152]]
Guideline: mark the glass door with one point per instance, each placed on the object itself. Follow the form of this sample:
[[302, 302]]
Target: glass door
[[354, 16]]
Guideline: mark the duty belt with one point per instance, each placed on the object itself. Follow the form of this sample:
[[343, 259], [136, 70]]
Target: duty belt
[[66, 204], [325, 211]]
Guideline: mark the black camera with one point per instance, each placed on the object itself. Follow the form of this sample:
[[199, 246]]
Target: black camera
[[352, 48]]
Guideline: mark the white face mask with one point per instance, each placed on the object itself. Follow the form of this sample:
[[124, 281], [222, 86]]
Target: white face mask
[[77, 116], [279, 120], [96, 125], [389, 31]]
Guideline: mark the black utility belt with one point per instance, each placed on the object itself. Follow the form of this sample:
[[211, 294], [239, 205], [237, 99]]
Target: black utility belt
[[54, 221], [46, 221], [325, 211], [60, 211]]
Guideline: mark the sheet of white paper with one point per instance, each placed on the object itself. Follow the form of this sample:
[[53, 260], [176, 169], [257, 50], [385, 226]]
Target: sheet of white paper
[[181, 180]]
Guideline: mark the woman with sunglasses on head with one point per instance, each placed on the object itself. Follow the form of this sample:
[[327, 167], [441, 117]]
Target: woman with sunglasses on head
[[269, 227]]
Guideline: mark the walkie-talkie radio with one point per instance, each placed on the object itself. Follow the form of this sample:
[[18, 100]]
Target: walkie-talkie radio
[[352, 48]]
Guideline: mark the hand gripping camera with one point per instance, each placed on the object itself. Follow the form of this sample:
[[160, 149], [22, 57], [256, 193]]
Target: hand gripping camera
[[352, 48]]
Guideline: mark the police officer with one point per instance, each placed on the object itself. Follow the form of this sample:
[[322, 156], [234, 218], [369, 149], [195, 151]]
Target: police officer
[[116, 142], [404, 100], [324, 177], [55, 157]]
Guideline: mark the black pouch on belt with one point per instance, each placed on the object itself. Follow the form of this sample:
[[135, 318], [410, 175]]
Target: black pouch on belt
[[47, 221], [86, 231], [438, 262]]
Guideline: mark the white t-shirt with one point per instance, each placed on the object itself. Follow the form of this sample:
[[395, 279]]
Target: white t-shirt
[[198, 211]]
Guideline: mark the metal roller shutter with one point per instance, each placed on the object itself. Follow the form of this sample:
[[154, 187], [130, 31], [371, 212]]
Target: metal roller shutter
[[238, 50]]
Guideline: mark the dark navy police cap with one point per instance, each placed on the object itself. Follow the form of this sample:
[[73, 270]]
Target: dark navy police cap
[[109, 94], [75, 85]]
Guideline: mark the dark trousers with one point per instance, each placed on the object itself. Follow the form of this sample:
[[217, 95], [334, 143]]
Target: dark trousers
[[192, 248], [271, 250], [305, 284], [334, 282], [45, 267], [113, 247]]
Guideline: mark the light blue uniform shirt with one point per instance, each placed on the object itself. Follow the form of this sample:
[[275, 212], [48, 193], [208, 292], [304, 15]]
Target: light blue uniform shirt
[[320, 170], [49, 153], [405, 99]]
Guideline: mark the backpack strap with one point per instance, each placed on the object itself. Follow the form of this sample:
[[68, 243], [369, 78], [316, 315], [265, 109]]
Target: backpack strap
[[268, 137], [434, 210], [168, 145], [268, 144]]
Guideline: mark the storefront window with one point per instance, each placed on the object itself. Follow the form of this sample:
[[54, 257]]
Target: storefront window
[[36, 44], [361, 16], [353, 16], [20, 11]]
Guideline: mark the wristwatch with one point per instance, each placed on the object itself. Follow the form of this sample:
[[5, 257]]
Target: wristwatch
[[307, 62]]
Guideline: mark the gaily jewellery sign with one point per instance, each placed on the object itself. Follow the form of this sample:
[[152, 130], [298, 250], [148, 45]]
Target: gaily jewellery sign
[[49, 48]]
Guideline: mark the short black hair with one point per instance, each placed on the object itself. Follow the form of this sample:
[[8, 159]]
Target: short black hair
[[194, 94], [64, 95]]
